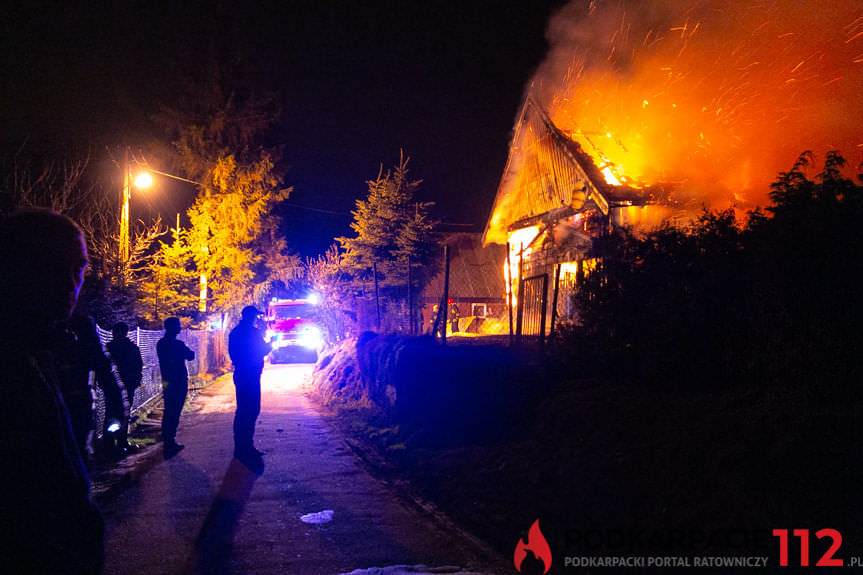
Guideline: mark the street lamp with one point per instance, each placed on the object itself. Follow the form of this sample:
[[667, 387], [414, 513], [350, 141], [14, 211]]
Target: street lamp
[[144, 180]]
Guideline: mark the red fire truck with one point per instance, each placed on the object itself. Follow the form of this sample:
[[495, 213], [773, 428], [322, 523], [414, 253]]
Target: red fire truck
[[294, 331]]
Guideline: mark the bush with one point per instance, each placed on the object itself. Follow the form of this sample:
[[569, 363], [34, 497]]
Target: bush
[[723, 303]]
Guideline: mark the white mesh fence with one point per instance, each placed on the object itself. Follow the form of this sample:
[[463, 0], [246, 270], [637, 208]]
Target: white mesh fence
[[151, 384]]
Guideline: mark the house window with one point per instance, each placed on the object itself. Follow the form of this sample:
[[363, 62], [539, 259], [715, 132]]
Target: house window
[[478, 309]]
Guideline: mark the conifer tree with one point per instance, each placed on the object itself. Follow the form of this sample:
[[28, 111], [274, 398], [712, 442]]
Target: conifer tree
[[233, 230], [170, 287], [233, 239], [391, 226]]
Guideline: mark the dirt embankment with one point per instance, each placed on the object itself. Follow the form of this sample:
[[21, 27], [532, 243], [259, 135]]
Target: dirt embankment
[[496, 442]]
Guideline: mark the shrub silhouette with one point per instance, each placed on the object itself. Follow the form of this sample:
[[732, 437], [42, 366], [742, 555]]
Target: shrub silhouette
[[774, 299]]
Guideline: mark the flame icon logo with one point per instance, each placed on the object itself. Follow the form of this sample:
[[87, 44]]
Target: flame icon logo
[[537, 544]]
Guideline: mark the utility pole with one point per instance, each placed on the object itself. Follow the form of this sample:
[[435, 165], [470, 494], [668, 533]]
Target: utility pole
[[125, 196]]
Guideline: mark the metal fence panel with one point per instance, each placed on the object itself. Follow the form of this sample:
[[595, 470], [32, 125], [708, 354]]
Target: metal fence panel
[[151, 383]]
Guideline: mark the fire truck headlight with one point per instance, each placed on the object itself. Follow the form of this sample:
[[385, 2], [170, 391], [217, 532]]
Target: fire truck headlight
[[113, 426], [270, 333], [312, 338]]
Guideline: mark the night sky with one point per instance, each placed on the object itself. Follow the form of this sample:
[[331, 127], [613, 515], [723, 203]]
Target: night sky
[[355, 81]]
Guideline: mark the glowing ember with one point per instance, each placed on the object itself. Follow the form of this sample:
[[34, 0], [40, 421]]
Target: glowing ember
[[719, 96]]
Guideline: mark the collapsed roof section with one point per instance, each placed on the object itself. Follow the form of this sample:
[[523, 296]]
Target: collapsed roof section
[[548, 176]]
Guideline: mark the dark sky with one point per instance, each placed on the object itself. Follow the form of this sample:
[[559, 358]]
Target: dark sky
[[356, 82]]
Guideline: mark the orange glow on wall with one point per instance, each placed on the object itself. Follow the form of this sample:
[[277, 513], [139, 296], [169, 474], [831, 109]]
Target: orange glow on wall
[[522, 243]]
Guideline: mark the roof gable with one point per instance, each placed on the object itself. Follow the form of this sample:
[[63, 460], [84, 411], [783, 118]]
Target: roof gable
[[548, 173]]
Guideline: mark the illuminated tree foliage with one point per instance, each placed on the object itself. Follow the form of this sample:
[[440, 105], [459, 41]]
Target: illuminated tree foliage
[[233, 230], [171, 286], [391, 226], [722, 303], [232, 240], [326, 275]]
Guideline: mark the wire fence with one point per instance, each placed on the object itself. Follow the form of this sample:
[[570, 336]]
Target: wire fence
[[204, 343]]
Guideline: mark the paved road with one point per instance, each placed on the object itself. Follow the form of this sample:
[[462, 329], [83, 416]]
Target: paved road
[[204, 512]]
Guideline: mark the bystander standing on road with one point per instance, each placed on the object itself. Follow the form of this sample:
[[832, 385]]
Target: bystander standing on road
[[173, 355], [247, 349], [48, 524], [130, 366]]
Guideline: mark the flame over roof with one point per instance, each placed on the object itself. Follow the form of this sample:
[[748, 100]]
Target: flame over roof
[[548, 175]]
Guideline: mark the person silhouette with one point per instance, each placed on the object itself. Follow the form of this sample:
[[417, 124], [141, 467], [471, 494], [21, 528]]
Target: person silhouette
[[130, 366], [48, 523], [247, 349], [173, 355], [76, 356]]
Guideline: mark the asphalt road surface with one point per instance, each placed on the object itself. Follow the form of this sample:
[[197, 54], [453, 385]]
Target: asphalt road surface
[[314, 509]]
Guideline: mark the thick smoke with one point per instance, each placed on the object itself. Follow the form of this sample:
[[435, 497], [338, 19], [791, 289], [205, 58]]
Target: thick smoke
[[716, 96]]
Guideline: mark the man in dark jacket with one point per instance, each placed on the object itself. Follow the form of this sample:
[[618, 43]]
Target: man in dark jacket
[[173, 355], [48, 524], [247, 349], [130, 366], [77, 355]]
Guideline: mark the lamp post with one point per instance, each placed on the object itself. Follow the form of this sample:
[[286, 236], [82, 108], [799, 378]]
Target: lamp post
[[142, 181], [202, 292], [126, 195]]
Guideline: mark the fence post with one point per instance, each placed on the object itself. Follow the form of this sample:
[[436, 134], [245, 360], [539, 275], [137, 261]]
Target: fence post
[[509, 291], [554, 300], [204, 362], [520, 301], [411, 321], [543, 311], [377, 295], [444, 309]]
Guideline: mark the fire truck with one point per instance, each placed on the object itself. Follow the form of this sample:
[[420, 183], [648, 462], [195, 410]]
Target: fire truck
[[294, 331]]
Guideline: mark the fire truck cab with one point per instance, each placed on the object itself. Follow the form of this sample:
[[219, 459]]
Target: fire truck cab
[[294, 331]]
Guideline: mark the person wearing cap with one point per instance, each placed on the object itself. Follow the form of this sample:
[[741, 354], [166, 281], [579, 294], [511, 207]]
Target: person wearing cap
[[247, 348], [173, 355]]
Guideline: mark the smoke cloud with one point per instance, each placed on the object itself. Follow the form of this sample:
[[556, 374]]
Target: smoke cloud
[[716, 96]]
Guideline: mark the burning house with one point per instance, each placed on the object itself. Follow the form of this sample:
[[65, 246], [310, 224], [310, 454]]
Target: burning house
[[646, 111], [553, 199]]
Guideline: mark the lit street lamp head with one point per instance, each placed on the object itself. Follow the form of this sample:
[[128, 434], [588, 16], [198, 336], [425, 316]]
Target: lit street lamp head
[[144, 180]]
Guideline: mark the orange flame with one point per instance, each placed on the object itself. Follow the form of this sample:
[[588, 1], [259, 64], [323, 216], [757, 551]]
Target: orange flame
[[719, 96], [537, 544], [520, 242]]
